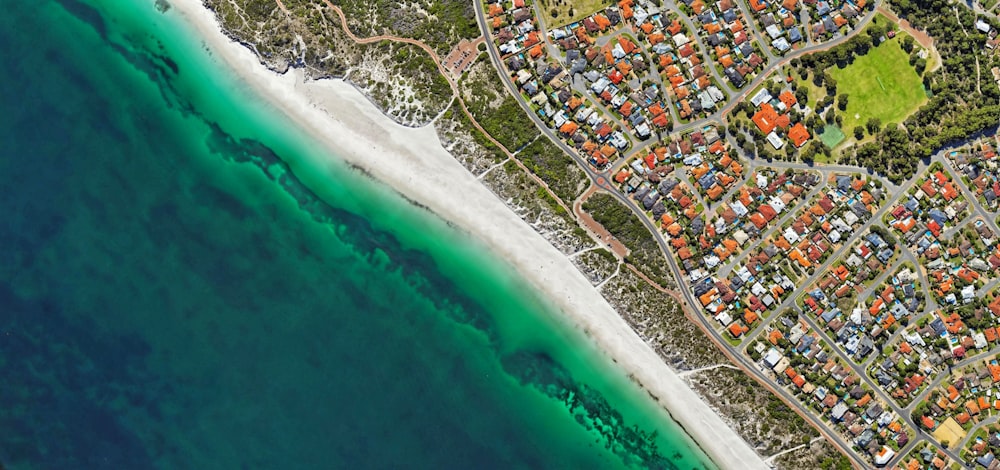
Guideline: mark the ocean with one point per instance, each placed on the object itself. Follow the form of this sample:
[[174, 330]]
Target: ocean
[[182, 286]]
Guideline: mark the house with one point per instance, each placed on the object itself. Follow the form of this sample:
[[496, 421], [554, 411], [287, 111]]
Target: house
[[798, 134], [883, 457], [766, 118], [983, 26], [795, 35]]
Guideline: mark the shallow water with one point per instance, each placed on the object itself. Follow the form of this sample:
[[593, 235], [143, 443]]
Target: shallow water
[[181, 286]]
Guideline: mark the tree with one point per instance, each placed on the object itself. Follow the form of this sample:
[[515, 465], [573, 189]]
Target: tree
[[790, 152], [802, 94], [830, 81], [859, 132], [774, 88], [875, 31], [907, 44], [842, 102], [814, 121], [873, 125]]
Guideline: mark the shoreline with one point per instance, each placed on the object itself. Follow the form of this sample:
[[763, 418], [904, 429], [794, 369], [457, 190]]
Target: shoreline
[[413, 163]]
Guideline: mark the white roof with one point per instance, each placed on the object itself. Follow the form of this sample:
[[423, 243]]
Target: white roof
[[884, 456], [773, 31], [776, 204], [739, 208], [791, 236], [618, 52], [772, 357], [740, 236], [775, 141], [711, 261], [762, 96]]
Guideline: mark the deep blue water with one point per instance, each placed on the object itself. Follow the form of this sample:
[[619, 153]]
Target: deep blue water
[[179, 288]]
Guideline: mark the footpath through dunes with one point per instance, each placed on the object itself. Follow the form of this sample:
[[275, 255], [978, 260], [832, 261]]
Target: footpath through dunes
[[456, 94], [413, 162]]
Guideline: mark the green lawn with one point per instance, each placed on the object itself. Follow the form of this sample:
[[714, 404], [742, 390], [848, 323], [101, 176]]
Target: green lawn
[[881, 84]]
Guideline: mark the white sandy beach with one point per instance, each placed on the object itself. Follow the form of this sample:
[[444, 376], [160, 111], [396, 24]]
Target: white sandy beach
[[413, 162]]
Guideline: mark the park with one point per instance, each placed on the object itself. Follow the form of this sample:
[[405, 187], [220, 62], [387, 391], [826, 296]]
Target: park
[[880, 84]]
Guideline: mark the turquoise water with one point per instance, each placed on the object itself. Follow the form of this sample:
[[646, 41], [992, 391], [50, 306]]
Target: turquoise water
[[183, 285]]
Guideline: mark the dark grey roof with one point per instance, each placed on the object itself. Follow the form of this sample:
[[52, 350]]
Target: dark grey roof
[[795, 34], [698, 225], [844, 183], [652, 198]]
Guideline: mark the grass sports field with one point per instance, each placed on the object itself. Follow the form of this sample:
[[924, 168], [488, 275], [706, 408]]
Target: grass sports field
[[881, 84]]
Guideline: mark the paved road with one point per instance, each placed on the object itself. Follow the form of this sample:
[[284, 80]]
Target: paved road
[[977, 208], [821, 270], [791, 211], [703, 49], [774, 64]]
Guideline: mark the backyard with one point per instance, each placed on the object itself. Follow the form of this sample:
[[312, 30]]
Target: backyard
[[881, 84]]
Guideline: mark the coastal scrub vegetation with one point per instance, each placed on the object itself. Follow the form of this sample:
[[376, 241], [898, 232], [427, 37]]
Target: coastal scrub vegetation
[[820, 455], [471, 148], [400, 78], [768, 425], [509, 182], [438, 23], [417, 98], [644, 252], [504, 119], [495, 109], [660, 322], [553, 166]]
